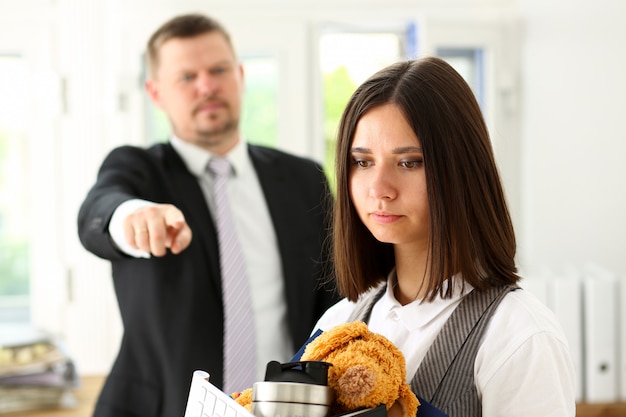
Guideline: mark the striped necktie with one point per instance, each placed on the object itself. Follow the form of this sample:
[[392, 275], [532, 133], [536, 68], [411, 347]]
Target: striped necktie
[[239, 328]]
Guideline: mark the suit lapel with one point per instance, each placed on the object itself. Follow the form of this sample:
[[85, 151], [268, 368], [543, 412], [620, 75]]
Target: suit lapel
[[274, 178], [276, 183], [195, 209]]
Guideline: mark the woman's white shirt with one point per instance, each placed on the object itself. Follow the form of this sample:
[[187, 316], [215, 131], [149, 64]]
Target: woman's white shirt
[[523, 366]]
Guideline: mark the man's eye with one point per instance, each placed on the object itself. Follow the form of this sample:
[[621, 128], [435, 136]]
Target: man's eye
[[187, 77], [218, 70]]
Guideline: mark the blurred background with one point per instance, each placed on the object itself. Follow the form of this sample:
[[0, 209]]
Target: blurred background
[[550, 77]]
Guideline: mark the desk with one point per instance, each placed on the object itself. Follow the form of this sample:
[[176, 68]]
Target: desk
[[601, 410]]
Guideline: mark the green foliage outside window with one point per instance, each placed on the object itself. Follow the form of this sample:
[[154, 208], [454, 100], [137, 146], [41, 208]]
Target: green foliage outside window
[[338, 87], [13, 267], [158, 125], [259, 122], [13, 249]]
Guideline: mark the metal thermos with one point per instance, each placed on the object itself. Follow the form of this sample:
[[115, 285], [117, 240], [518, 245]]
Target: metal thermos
[[293, 389]]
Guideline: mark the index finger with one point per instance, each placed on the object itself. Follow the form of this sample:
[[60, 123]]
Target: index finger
[[174, 218]]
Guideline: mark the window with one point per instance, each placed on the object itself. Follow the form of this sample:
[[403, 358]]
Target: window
[[469, 63], [260, 107], [348, 58], [14, 186]]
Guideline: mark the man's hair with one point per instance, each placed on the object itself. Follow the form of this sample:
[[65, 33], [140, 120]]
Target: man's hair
[[183, 26], [471, 233]]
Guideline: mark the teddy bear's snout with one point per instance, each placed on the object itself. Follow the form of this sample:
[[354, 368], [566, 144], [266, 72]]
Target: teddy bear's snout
[[357, 382]]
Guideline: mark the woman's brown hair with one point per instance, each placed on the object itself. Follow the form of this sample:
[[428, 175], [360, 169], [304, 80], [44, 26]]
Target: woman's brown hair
[[471, 233]]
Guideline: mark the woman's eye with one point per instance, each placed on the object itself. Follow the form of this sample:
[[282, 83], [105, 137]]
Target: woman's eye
[[361, 163], [412, 164]]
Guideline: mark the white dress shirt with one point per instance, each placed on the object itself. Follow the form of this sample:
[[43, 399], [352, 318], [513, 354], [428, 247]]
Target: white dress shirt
[[258, 239], [522, 368]]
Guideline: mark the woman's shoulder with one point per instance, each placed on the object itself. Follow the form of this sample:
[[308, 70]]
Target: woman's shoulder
[[342, 311], [336, 314], [525, 342], [520, 321], [526, 310], [521, 315]]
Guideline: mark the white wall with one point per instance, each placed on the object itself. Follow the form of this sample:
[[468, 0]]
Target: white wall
[[573, 133]]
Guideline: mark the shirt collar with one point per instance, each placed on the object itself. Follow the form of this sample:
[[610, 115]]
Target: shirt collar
[[418, 314], [196, 158]]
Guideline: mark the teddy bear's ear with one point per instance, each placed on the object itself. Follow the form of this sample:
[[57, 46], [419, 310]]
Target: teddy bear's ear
[[333, 339]]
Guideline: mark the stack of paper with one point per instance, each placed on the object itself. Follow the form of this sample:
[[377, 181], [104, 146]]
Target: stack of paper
[[35, 372]]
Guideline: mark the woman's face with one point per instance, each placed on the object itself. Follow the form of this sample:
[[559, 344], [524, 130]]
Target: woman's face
[[387, 180]]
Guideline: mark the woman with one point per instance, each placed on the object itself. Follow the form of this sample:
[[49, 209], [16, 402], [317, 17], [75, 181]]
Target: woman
[[421, 227]]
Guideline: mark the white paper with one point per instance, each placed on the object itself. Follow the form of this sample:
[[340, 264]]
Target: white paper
[[206, 400]]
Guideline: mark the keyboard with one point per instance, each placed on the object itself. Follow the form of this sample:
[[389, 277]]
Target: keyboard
[[206, 400]]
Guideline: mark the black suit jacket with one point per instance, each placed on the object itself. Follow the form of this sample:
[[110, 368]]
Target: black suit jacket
[[171, 307]]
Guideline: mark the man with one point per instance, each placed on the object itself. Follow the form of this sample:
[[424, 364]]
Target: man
[[152, 213]]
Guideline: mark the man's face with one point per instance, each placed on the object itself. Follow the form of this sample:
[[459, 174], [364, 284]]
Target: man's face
[[198, 82]]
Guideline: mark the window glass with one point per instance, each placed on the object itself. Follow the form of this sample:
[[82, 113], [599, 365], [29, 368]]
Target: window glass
[[157, 125], [347, 59], [14, 202], [469, 63], [260, 106]]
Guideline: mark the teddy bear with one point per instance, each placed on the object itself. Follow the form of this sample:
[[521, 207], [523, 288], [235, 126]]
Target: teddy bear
[[367, 370]]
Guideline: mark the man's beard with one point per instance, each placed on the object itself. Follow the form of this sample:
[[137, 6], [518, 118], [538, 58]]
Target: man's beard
[[229, 126], [218, 134]]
